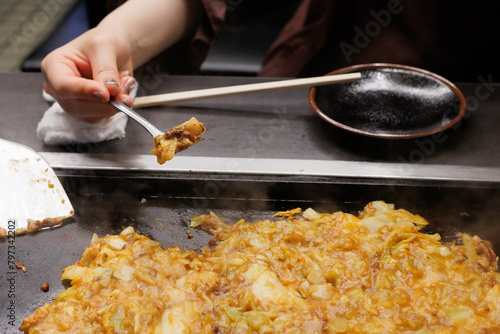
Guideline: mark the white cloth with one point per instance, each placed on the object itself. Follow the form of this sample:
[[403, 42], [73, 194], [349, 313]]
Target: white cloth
[[59, 128]]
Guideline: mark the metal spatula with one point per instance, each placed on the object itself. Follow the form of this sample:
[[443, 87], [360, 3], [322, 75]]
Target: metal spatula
[[31, 196]]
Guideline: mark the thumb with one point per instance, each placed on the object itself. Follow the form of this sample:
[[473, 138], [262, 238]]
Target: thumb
[[104, 71]]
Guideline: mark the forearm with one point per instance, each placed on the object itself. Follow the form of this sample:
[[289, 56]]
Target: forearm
[[152, 26]]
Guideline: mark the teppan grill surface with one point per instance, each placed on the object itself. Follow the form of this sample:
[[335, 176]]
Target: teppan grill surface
[[261, 154], [160, 207]]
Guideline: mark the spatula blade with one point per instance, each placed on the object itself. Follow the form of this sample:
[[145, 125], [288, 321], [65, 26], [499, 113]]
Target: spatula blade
[[31, 195]]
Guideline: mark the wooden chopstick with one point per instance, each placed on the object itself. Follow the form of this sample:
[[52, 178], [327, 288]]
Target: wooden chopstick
[[154, 100]]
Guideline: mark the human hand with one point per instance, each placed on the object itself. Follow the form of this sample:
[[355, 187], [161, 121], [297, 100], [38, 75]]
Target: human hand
[[83, 74]]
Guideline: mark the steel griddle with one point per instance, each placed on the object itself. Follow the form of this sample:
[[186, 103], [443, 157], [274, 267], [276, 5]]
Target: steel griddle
[[108, 201], [261, 155]]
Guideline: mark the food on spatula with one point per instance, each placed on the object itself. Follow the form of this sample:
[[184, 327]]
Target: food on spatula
[[306, 272], [177, 139]]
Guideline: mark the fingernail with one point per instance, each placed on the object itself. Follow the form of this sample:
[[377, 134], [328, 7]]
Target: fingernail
[[111, 82], [130, 84], [126, 102], [125, 73], [98, 96]]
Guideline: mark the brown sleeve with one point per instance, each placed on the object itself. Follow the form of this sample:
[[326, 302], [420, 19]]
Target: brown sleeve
[[300, 40], [453, 39], [208, 30], [187, 55]]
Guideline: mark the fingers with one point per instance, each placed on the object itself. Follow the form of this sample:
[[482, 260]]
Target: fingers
[[90, 112], [85, 73], [103, 58], [127, 83], [93, 108], [63, 78], [69, 86], [94, 111], [86, 69], [75, 88], [69, 79]]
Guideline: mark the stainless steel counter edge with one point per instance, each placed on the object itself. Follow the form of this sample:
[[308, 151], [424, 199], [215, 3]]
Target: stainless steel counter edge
[[278, 167]]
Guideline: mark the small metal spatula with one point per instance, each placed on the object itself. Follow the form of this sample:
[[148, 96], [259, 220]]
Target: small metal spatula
[[31, 196]]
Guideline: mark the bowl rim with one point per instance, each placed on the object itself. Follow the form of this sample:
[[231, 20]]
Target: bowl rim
[[371, 66]]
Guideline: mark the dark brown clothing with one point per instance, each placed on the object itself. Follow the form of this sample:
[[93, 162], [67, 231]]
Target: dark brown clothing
[[454, 38]]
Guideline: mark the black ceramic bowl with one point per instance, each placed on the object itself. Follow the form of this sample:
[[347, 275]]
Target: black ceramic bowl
[[390, 101]]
